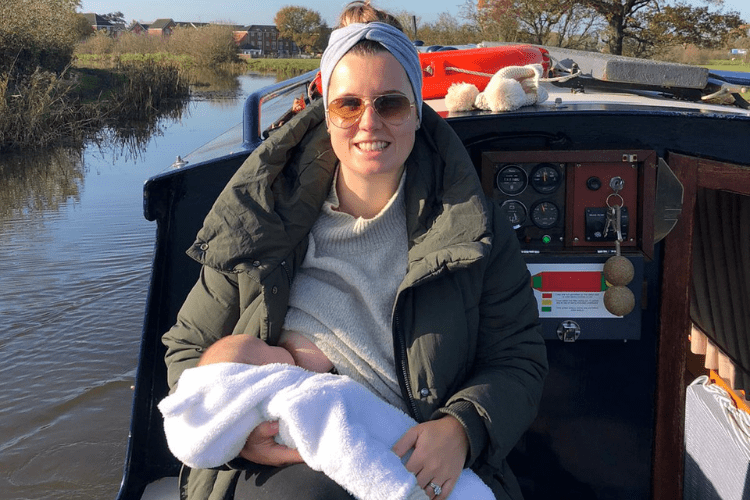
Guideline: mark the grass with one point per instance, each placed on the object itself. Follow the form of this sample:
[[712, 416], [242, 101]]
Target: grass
[[109, 61], [187, 66], [284, 68], [93, 84], [737, 65]]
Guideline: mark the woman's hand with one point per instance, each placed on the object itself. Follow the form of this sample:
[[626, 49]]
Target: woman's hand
[[440, 448], [260, 448]]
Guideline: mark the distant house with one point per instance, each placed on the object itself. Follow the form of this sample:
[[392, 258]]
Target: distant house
[[264, 40], [138, 28], [163, 27], [241, 38], [287, 48], [189, 24], [99, 23]]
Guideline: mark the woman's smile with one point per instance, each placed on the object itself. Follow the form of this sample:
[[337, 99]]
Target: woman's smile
[[371, 146]]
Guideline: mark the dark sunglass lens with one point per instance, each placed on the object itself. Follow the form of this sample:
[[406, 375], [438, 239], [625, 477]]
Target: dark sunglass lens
[[393, 108]]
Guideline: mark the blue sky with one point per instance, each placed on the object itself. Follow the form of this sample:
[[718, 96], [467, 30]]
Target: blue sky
[[255, 11], [263, 11]]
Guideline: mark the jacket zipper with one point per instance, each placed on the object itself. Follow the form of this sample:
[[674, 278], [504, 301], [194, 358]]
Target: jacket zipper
[[404, 373], [401, 352], [286, 271]]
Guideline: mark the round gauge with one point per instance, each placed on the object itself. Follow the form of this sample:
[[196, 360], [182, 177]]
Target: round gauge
[[545, 178], [511, 180], [515, 211], [545, 214]]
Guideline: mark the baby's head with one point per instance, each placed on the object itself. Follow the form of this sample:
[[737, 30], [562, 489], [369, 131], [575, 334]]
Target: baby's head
[[244, 349], [360, 11]]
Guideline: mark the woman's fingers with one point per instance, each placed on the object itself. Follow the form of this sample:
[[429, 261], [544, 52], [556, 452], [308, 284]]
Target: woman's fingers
[[260, 447], [444, 489], [440, 448], [406, 442]]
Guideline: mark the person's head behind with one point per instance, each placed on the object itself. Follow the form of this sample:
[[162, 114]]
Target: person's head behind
[[363, 12]]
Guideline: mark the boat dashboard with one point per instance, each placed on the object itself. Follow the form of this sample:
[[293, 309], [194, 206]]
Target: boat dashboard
[[580, 178]]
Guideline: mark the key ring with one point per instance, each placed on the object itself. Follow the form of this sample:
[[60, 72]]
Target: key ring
[[622, 201]]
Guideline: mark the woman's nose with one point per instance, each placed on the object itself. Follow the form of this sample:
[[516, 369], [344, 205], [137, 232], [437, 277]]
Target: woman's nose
[[370, 118]]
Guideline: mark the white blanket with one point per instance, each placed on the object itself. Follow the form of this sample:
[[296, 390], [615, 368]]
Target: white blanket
[[338, 426]]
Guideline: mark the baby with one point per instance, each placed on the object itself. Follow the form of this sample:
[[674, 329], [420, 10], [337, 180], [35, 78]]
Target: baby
[[293, 349], [337, 425]]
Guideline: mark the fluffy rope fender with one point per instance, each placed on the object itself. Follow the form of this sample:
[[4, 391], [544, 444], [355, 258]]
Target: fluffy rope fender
[[509, 89]]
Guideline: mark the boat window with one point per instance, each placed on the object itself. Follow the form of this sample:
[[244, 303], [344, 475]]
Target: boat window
[[277, 107]]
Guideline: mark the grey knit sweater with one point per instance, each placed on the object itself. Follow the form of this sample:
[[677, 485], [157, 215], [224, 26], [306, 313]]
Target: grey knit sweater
[[342, 297]]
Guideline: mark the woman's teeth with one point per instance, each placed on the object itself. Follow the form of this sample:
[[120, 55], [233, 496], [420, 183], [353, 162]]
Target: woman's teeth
[[372, 146]]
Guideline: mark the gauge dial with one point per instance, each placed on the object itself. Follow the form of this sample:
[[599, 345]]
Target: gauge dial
[[511, 180], [545, 214], [515, 211], [545, 178]]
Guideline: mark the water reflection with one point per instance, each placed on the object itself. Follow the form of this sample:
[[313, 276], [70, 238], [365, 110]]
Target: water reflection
[[76, 256], [38, 182], [214, 86], [129, 140], [32, 183]]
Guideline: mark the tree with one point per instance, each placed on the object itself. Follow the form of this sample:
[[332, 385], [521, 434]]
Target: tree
[[620, 16], [494, 20], [408, 21], [303, 26], [685, 24], [82, 26], [37, 33], [117, 19], [562, 23], [209, 46], [680, 32]]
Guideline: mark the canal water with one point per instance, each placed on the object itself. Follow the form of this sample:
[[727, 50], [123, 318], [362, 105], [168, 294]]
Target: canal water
[[75, 257]]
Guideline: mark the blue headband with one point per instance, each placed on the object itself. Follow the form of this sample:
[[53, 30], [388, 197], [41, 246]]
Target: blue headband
[[394, 41]]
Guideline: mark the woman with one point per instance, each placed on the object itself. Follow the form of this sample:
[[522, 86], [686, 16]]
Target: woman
[[361, 226]]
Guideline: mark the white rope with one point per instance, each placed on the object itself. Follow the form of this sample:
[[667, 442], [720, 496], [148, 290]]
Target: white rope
[[489, 75], [739, 420], [469, 72], [561, 78]]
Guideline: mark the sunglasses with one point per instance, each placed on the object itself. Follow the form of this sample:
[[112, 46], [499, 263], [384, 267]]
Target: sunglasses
[[393, 109]]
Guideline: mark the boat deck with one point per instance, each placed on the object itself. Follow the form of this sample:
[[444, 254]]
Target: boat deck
[[563, 99]]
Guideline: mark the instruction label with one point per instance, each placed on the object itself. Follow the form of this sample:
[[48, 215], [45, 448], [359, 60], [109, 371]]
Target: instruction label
[[569, 290]]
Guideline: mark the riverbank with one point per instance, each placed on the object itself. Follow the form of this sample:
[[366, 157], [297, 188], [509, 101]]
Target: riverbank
[[109, 90], [97, 84], [284, 68], [48, 109]]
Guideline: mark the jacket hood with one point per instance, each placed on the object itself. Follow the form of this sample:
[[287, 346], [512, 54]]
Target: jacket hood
[[272, 201]]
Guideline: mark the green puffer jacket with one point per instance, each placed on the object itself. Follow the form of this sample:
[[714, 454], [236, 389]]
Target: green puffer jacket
[[466, 332]]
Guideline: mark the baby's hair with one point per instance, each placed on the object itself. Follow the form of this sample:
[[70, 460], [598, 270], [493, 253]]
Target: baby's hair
[[362, 12]]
